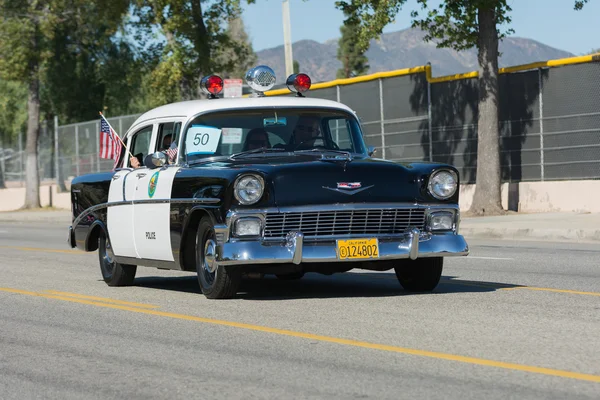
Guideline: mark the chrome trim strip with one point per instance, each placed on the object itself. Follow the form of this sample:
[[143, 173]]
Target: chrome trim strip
[[296, 240], [413, 250], [97, 207]]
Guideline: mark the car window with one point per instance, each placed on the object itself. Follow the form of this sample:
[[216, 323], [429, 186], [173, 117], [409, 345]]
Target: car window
[[224, 133], [167, 133], [141, 144], [341, 133]]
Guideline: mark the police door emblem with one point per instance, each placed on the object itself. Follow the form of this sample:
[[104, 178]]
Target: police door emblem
[[152, 184]]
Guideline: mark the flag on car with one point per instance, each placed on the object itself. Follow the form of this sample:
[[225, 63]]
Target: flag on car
[[110, 143], [172, 153]]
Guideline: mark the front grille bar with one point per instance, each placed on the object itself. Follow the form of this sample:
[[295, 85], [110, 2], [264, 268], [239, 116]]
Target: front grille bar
[[344, 222]]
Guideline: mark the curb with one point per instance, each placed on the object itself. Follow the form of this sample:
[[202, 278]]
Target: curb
[[555, 235]]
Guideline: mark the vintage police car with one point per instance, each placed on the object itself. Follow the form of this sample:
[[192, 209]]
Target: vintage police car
[[267, 185]]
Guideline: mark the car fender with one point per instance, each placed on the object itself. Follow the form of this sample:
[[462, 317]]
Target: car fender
[[91, 240]]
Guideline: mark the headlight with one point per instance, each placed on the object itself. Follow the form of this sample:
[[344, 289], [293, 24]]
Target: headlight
[[443, 184], [248, 189]]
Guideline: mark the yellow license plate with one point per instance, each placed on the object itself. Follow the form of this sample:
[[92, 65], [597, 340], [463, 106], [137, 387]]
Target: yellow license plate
[[355, 249]]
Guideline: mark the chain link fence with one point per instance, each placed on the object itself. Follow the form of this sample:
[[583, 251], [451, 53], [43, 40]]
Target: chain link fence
[[549, 125]]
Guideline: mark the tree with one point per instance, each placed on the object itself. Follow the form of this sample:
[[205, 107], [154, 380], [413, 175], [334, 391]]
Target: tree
[[296, 67], [27, 32], [235, 53], [354, 62], [193, 33], [13, 115], [461, 25]]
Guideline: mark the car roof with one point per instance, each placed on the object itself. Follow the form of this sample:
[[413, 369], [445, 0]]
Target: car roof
[[190, 108]]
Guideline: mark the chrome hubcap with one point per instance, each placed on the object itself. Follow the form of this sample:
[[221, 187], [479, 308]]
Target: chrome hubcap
[[108, 257], [209, 262]]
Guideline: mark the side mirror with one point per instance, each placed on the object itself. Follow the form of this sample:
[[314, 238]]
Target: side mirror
[[371, 150], [156, 160]]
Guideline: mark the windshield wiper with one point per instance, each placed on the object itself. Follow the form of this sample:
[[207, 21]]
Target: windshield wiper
[[257, 151], [347, 154]]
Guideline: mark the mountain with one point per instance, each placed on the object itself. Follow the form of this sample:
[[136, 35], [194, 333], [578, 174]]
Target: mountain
[[403, 49]]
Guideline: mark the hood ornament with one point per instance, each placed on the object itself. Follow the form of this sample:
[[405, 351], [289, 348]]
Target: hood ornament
[[349, 188], [348, 185]]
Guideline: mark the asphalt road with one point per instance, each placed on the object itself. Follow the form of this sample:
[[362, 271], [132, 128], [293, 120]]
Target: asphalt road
[[512, 320]]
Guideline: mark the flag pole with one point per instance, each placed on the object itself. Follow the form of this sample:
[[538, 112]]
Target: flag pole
[[121, 140]]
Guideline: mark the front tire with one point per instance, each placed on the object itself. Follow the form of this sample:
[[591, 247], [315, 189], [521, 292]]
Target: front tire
[[216, 281], [420, 275], [113, 273]]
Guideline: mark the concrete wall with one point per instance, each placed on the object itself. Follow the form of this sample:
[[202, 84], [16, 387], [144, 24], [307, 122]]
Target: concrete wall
[[566, 196], [530, 197], [14, 198]]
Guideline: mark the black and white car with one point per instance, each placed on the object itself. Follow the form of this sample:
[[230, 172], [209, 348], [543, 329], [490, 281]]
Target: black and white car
[[309, 198]]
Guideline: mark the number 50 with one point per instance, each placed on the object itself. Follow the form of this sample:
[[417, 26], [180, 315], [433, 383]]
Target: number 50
[[201, 138]]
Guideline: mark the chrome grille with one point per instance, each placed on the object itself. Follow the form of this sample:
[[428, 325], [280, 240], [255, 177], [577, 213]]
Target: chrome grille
[[344, 222]]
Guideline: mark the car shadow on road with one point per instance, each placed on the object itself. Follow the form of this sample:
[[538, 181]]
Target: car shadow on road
[[314, 285]]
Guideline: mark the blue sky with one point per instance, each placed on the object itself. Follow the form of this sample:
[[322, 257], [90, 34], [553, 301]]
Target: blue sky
[[552, 22]]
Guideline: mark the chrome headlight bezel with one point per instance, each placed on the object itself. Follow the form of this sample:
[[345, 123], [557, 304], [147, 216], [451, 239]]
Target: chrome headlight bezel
[[431, 182], [236, 189]]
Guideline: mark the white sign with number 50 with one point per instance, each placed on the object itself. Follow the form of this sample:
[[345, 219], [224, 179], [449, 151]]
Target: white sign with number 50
[[202, 139]]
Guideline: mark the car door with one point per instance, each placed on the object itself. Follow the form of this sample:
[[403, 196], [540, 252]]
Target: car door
[[153, 202], [120, 216]]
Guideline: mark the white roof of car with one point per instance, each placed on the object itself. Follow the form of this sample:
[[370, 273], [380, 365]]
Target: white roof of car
[[188, 109]]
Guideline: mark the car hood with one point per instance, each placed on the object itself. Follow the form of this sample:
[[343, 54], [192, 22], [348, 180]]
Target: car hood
[[305, 179]]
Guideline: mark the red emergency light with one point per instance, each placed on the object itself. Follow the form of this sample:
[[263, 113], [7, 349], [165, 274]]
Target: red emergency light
[[298, 83], [212, 85]]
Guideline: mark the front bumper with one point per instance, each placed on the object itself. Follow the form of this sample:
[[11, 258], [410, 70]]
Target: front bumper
[[414, 244]]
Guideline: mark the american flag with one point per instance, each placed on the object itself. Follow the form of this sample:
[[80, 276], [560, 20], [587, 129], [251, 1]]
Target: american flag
[[172, 153], [110, 145]]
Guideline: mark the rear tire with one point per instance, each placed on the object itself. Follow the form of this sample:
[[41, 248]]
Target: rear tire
[[420, 275], [113, 273], [216, 281]]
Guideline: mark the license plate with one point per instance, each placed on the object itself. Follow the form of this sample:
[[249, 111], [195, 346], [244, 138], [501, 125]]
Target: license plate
[[357, 249]]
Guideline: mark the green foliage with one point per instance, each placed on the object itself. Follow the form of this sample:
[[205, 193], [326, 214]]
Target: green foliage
[[455, 23], [67, 46], [235, 55], [13, 111], [579, 4], [354, 62], [296, 66], [194, 42], [371, 16]]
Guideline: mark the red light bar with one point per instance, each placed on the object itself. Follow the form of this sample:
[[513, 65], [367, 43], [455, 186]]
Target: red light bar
[[298, 83], [212, 85]]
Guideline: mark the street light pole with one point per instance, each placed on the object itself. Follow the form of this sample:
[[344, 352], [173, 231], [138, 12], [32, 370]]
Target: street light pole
[[287, 38]]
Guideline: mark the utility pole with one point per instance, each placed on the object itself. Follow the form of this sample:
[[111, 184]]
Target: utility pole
[[287, 39]]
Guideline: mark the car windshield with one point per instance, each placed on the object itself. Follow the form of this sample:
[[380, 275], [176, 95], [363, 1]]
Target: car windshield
[[227, 133]]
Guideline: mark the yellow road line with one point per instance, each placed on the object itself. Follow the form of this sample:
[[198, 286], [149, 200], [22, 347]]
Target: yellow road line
[[541, 289], [43, 250], [101, 299], [329, 339]]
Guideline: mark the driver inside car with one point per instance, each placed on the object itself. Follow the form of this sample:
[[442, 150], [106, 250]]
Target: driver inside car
[[305, 133]]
